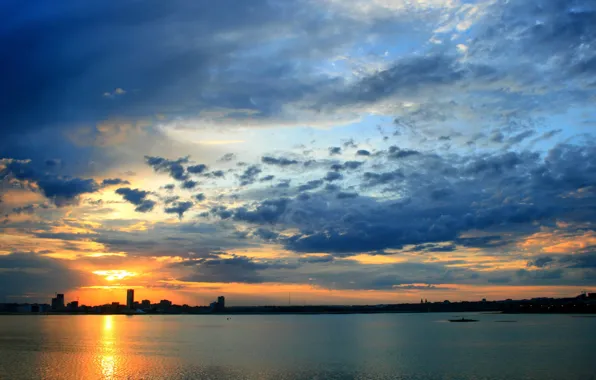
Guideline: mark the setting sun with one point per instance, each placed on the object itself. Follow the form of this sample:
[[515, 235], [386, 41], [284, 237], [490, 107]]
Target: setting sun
[[112, 275]]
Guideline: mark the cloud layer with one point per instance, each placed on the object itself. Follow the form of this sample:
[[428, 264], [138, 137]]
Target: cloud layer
[[434, 146]]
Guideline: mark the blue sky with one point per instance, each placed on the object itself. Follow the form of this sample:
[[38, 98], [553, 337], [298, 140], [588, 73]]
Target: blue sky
[[344, 151]]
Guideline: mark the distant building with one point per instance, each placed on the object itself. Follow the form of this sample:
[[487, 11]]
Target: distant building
[[74, 305], [58, 302], [25, 308], [145, 304], [221, 302], [165, 304], [130, 298]]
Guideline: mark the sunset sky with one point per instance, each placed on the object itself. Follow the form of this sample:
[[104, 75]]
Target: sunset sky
[[326, 151]]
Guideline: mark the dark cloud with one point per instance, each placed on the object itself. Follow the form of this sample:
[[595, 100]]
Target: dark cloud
[[53, 163], [138, 198], [346, 195], [282, 161], [540, 262], [265, 234], [284, 184], [61, 190], [27, 274], [197, 169], [375, 179], [334, 150], [114, 181], [200, 197], [408, 74], [267, 178], [171, 199], [249, 175], [397, 153], [216, 174], [517, 190], [333, 176], [303, 197], [189, 184], [172, 167], [348, 165], [441, 194], [317, 259], [221, 212], [179, 208], [228, 270], [363, 152], [311, 185], [267, 212], [350, 144]]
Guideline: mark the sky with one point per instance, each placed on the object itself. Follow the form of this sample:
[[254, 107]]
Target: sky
[[303, 151]]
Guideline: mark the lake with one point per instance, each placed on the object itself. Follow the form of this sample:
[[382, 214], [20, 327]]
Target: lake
[[291, 347]]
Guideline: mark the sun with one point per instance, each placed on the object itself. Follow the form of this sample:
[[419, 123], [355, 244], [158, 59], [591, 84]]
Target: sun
[[113, 275]]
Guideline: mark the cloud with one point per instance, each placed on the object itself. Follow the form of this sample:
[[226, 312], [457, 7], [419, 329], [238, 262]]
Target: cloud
[[541, 262], [375, 179], [346, 195], [227, 157], [61, 190], [173, 167], [363, 152], [227, 270], [200, 197], [138, 198], [189, 184], [52, 163], [267, 178], [334, 150], [333, 176], [278, 161], [27, 274], [179, 208], [311, 185], [397, 153], [114, 181], [249, 176], [197, 169], [269, 211]]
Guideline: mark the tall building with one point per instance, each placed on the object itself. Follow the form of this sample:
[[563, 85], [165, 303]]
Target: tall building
[[130, 298], [58, 302], [221, 302]]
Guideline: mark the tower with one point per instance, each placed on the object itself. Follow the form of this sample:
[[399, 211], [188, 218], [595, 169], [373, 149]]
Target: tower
[[130, 298]]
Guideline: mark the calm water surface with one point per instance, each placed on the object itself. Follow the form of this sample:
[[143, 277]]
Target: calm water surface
[[387, 346]]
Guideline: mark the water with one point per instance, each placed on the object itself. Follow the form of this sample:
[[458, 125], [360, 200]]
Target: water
[[290, 347]]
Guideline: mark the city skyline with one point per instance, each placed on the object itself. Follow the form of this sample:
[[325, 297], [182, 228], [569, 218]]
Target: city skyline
[[343, 152]]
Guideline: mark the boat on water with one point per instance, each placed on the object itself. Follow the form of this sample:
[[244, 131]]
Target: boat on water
[[463, 320]]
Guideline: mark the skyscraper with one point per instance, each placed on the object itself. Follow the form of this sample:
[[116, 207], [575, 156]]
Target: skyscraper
[[58, 302], [130, 298]]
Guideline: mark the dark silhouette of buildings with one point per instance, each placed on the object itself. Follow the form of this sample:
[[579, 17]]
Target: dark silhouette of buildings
[[58, 302], [582, 304], [130, 298]]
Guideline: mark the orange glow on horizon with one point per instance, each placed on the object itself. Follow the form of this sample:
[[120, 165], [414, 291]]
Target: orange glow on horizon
[[113, 275]]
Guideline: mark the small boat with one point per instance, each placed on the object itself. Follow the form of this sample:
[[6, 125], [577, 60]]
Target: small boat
[[463, 320]]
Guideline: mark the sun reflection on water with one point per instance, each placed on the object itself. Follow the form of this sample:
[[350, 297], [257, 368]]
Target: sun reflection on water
[[107, 351]]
